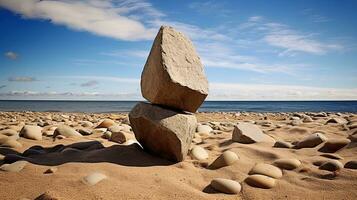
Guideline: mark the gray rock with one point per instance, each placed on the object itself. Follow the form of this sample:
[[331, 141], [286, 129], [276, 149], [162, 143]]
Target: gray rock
[[249, 133], [161, 131], [173, 74], [226, 186]]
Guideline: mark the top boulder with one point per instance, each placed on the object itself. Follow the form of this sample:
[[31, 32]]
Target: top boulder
[[173, 75]]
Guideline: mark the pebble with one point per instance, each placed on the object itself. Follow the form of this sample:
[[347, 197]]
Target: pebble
[[51, 170], [267, 170], [226, 186], [283, 144], [331, 165], [66, 131], [31, 132], [260, 181], [106, 123], [204, 129], [332, 156], [312, 140], [288, 163], [333, 145], [119, 137], [11, 144], [225, 159], [14, 167], [199, 153], [93, 178], [351, 164], [247, 133]]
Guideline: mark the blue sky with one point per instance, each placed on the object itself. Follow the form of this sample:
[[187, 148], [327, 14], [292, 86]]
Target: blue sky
[[251, 50]]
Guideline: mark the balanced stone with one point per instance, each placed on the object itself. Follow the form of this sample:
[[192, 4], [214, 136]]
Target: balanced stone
[[226, 186], [267, 170], [225, 159], [288, 164], [161, 131], [31, 132], [260, 181], [312, 141], [173, 74], [249, 133]]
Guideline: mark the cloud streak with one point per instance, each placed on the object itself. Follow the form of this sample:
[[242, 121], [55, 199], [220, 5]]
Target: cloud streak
[[90, 83], [22, 79], [11, 55]]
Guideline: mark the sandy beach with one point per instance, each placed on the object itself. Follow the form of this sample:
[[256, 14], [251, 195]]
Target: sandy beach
[[57, 166]]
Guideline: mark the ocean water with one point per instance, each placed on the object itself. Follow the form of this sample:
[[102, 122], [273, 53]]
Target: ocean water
[[208, 106]]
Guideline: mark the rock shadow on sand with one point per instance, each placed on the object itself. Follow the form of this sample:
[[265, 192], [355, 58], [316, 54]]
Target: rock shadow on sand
[[87, 152]]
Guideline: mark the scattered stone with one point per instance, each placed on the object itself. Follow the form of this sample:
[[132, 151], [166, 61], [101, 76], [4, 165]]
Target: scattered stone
[[14, 167], [93, 178], [8, 132], [86, 124], [226, 186], [126, 127], [260, 181], [49, 195], [332, 156], [288, 164], [107, 135], [85, 131], [51, 170], [31, 132], [267, 170], [66, 131], [204, 129], [11, 144], [225, 159], [115, 128], [120, 137], [351, 164], [307, 119], [283, 144], [199, 153], [162, 131], [249, 133], [311, 141], [173, 74], [336, 121], [333, 145], [296, 122], [331, 165], [106, 123]]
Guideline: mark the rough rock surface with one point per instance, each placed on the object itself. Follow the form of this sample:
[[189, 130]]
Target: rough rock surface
[[161, 131], [249, 133], [173, 74]]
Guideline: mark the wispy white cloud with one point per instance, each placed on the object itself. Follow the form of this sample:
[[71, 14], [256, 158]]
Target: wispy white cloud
[[11, 55], [22, 79], [90, 83], [100, 78], [233, 91], [115, 19]]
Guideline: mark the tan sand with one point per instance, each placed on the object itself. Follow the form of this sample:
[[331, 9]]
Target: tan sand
[[134, 174]]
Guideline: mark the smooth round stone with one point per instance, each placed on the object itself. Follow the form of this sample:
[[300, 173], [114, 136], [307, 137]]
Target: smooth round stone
[[107, 135], [267, 170], [331, 165], [8, 132], [85, 131], [86, 124], [115, 128], [260, 181], [11, 144], [93, 178], [203, 129], [288, 164], [106, 123], [333, 145], [2, 157], [199, 153], [31, 132], [226, 186], [225, 159], [119, 137], [332, 156], [126, 127], [14, 167], [351, 164], [307, 119], [283, 144], [66, 131], [312, 141]]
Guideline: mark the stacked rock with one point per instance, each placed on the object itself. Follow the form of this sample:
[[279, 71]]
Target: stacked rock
[[174, 83]]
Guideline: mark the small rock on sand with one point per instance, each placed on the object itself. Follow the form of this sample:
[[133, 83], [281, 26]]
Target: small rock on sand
[[204, 129], [333, 145], [226, 186], [336, 121], [31, 132], [287, 163], [260, 181], [267, 170], [106, 123], [199, 153], [311, 141], [120, 137], [51, 170], [66, 131], [351, 164], [11, 144], [93, 178], [249, 133], [225, 159], [331, 165], [14, 167], [283, 144]]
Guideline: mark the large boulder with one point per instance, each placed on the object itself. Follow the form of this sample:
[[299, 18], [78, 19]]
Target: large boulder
[[249, 133], [173, 74], [161, 131]]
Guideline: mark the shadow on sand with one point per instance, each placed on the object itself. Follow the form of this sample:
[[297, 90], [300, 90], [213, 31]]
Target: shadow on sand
[[85, 152]]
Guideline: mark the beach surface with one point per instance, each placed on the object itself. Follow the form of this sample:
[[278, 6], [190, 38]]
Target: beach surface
[[64, 167]]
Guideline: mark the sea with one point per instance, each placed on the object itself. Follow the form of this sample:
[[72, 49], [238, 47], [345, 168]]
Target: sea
[[207, 106]]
